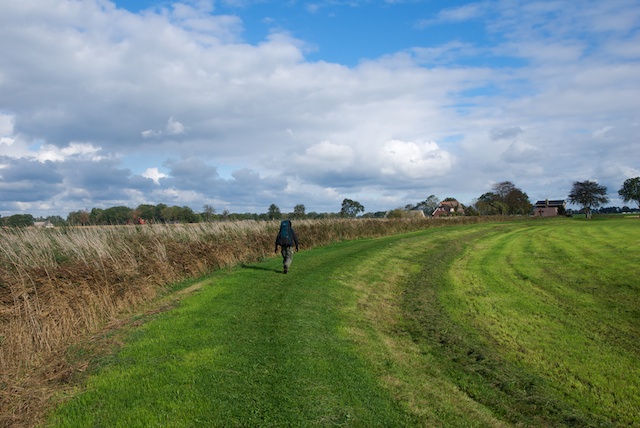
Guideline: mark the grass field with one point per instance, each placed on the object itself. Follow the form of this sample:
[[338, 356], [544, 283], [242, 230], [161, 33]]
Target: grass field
[[531, 323], [563, 302], [59, 286]]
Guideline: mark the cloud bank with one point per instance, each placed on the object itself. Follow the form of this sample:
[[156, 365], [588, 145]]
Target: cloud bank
[[100, 106]]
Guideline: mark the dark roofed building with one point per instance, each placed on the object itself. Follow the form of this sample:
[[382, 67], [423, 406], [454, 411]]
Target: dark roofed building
[[549, 208]]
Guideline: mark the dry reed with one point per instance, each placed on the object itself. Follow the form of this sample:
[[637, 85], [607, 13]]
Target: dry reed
[[58, 286]]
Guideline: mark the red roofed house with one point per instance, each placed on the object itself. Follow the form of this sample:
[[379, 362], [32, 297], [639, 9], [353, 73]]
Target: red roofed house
[[448, 208]]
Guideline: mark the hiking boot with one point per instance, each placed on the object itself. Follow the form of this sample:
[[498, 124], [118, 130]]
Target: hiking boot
[[285, 269]]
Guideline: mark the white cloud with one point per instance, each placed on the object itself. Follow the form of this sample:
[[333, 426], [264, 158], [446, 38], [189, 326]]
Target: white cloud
[[416, 160], [84, 151], [328, 155], [6, 125], [313, 7], [455, 15], [522, 152], [154, 174], [174, 127], [602, 132], [84, 84], [461, 13], [6, 130], [446, 53]]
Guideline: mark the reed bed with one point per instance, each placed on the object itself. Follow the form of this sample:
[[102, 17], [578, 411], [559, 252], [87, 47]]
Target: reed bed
[[59, 286]]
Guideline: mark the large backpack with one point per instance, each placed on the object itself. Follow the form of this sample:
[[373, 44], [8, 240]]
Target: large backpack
[[284, 235]]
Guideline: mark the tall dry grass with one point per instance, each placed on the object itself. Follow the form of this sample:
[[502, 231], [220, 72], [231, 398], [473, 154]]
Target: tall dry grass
[[57, 286]]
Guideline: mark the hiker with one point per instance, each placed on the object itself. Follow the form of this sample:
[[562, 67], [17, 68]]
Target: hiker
[[286, 238]]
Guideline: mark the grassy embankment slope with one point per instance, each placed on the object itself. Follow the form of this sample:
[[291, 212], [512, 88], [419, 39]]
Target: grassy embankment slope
[[527, 323]]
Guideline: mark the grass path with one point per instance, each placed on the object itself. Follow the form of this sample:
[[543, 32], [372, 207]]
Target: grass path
[[253, 347], [472, 326]]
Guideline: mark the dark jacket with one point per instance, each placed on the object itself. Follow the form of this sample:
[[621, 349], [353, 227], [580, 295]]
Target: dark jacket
[[293, 236]]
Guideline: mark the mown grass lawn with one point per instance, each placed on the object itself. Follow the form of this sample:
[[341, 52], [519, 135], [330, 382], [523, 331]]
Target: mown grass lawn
[[531, 323], [562, 301]]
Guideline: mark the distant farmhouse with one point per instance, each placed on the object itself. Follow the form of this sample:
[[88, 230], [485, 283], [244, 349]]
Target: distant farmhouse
[[549, 208], [448, 208]]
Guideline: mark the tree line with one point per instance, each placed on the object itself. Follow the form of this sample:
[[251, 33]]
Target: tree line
[[504, 199], [162, 213]]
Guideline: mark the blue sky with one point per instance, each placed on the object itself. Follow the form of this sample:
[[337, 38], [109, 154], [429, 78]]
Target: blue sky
[[339, 32], [240, 104], [345, 32]]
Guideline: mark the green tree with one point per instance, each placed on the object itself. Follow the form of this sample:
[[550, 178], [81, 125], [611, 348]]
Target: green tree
[[55, 220], [299, 211], [171, 214], [274, 212], [588, 194], [630, 190], [95, 217], [78, 218], [505, 199], [490, 204], [209, 211], [516, 201], [159, 213], [350, 208], [147, 212], [20, 220], [429, 205], [186, 215], [117, 215], [397, 213], [471, 211]]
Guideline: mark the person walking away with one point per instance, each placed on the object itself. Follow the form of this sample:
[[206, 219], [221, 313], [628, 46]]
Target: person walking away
[[286, 239]]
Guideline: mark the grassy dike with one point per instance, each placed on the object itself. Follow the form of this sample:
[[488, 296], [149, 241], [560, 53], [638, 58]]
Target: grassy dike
[[518, 324]]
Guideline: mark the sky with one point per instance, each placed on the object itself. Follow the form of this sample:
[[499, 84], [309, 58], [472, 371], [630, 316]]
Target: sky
[[240, 104]]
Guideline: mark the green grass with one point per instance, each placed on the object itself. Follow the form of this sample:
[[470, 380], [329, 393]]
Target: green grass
[[562, 301], [253, 348], [530, 323]]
